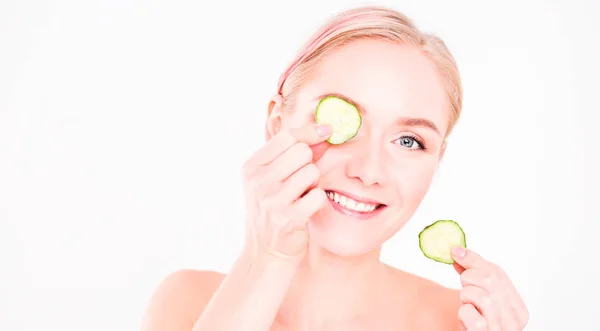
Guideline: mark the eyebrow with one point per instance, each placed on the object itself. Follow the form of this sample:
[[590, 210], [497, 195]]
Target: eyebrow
[[402, 121]]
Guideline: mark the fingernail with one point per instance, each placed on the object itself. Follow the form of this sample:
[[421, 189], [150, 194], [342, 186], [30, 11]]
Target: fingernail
[[459, 252], [324, 130]]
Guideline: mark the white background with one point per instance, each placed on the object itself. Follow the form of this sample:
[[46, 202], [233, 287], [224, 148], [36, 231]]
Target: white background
[[123, 126]]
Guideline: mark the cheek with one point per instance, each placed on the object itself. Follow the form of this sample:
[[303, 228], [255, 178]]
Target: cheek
[[415, 178], [333, 159]]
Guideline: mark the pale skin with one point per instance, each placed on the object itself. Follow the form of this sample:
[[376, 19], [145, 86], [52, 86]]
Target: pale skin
[[306, 265]]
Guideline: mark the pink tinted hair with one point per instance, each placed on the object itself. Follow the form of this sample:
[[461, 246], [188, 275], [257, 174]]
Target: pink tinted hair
[[372, 22]]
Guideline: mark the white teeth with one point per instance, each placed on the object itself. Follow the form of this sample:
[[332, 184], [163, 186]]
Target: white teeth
[[361, 206], [350, 203]]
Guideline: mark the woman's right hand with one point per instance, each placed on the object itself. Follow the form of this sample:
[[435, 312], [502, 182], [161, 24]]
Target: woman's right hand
[[281, 194]]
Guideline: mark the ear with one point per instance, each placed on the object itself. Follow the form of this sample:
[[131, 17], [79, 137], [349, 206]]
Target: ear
[[274, 117]]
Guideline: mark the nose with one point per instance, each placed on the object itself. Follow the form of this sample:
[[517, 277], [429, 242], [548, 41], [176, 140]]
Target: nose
[[366, 164]]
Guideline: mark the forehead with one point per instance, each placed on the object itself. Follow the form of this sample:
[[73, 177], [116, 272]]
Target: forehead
[[387, 79]]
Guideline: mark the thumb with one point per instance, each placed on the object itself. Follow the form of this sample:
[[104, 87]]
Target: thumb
[[312, 134]]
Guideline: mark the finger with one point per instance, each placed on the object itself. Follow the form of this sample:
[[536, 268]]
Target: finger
[[471, 318], [306, 206], [309, 134], [468, 259], [299, 183], [483, 302], [504, 296], [319, 150], [458, 268], [312, 134], [288, 163], [481, 278]]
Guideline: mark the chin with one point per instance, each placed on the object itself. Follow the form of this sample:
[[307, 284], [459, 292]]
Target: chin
[[344, 246]]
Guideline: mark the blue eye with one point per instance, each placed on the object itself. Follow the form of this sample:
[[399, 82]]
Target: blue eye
[[410, 143]]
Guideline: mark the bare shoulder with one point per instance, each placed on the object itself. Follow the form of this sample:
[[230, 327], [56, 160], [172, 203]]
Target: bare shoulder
[[434, 306], [179, 300], [440, 306]]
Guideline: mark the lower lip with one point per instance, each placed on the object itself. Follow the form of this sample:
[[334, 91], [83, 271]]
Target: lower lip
[[356, 214]]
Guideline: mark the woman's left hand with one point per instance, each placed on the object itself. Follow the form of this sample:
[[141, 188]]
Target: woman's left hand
[[489, 300]]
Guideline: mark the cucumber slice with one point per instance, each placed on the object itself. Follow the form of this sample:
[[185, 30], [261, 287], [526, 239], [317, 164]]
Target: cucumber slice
[[437, 239], [343, 117]]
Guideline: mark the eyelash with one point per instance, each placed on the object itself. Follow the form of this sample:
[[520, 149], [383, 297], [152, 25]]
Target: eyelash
[[419, 142]]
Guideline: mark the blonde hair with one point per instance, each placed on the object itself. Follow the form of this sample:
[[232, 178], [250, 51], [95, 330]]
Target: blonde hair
[[365, 23]]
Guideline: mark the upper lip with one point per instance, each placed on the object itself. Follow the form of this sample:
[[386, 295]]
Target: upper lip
[[355, 197]]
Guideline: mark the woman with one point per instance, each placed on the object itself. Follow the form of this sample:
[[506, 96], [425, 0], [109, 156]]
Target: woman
[[311, 261]]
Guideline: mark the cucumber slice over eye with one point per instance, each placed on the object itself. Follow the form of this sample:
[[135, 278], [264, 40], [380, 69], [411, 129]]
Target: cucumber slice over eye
[[437, 239], [344, 118]]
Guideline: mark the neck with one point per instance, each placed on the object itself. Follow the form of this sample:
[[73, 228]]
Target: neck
[[328, 289]]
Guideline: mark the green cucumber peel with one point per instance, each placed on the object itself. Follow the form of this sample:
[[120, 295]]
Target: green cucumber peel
[[437, 240]]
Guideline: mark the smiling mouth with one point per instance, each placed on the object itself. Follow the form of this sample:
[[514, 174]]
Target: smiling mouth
[[353, 206]]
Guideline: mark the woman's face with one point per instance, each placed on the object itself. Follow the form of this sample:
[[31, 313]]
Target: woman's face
[[393, 158]]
